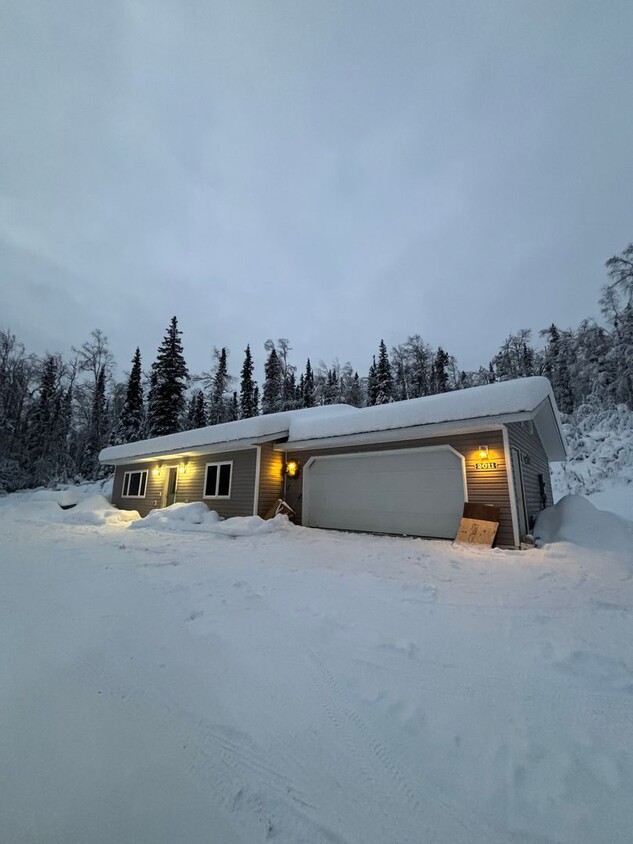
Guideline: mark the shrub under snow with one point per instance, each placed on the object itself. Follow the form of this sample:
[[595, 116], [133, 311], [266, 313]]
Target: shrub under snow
[[600, 444]]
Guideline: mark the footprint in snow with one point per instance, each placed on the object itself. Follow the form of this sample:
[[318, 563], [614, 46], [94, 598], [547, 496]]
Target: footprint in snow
[[605, 671]]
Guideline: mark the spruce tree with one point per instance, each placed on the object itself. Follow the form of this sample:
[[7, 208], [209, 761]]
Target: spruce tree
[[218, 408], [43, 417], [555, 368], [97, 431], [132, 421], [331, 393], [196, 416], [248, 398], [384, 379], [233, 408], [166, 401], [308, 386], [372, 384], [289, 390], [441, 371], [272, 397], [46, 431], [355, 395]]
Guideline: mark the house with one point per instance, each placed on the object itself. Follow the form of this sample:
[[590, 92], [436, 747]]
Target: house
[[404, 468]]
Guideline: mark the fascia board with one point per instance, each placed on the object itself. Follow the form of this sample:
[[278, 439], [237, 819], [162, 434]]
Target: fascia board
[[548, 424], [214, 448], [436, 429]]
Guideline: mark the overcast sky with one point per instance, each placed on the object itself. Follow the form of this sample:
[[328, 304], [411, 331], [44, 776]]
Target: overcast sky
[[331, 172]]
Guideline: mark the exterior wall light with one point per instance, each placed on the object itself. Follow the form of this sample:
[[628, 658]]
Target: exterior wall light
[[182, 468], [292, 468], [157, 470], [483, 452]]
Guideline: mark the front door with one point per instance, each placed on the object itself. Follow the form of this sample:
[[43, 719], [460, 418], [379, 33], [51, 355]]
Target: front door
[[171, 485], [519, 492]]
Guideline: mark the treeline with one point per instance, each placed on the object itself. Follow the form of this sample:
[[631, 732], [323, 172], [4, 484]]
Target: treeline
[[56, 415]]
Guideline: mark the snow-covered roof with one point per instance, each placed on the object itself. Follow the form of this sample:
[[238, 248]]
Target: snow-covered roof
[[273, 426], [502, 401]]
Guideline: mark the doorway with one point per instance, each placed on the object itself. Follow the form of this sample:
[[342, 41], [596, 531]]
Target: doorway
[[171, 485]]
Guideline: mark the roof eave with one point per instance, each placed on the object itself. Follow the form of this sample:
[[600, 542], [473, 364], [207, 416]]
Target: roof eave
[[413, 432], [549, 427], [194, 451]]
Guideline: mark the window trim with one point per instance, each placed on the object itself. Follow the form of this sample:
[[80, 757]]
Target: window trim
[[142, 483], [217, 482]]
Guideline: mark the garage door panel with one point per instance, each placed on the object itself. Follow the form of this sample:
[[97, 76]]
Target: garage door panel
[[414, 491]]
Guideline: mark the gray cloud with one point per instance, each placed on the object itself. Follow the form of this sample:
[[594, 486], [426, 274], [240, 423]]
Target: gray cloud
[[331, 172]]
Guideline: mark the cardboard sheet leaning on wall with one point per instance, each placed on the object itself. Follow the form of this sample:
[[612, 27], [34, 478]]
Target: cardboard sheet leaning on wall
[[478, 526]]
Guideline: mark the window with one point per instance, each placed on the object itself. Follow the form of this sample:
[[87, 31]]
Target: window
[[134, 484], [217, 480]]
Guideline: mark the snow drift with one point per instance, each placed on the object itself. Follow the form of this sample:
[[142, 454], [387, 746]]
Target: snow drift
[[574, 519], [196, 516]]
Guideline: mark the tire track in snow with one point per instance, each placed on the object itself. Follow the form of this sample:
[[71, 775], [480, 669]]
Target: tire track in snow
[[396, 784]]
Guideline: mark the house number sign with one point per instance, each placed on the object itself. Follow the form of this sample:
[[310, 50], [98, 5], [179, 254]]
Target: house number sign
[[489, 464]]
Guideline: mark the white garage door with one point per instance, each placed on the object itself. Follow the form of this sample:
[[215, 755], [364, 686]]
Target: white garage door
[[419, 491]]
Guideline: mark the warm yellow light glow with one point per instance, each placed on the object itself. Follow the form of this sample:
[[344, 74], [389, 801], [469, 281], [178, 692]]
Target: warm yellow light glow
[[292, 468], [182, 468], [483, 452], [155, 471]]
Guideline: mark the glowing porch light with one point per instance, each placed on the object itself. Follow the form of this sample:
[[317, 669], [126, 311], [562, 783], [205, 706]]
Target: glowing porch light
[[292, 468]]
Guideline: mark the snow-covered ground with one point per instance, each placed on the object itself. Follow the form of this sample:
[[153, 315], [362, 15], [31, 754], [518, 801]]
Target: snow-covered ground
[[172, 683]]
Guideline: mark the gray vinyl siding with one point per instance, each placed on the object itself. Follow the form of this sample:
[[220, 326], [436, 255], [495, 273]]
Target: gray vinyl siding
[[191, 484], [271, 480], [484, 486], [524, 437], [153, 490]]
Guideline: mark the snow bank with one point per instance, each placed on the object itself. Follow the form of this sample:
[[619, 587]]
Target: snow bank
[[574, 519], [196, 516], [97, 510], [87, 506], [67, 495]]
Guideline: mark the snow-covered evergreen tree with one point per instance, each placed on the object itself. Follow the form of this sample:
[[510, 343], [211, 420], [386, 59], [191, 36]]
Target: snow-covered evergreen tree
[[441, 372], [196, 416], [43, 420], [97, 431], [132, 422], [218, 407], [372, 383], [384, 379], [555, 367], [516, 358], [248, 398], [233, 408], [331, 391], [272, 396], [308, 386], [355, 392], [166, 399]]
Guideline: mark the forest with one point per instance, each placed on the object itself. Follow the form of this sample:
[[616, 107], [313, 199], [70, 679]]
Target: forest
[[57, 414]]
